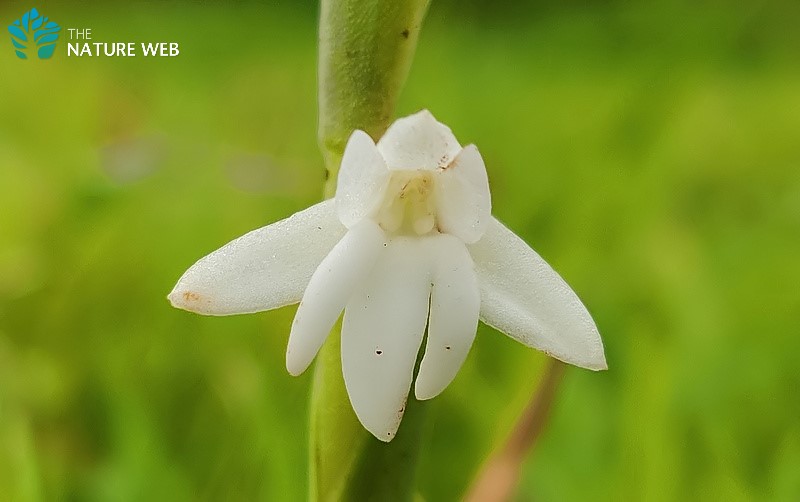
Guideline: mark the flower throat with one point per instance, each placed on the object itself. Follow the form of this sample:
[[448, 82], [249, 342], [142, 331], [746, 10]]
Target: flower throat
[[408, 206]]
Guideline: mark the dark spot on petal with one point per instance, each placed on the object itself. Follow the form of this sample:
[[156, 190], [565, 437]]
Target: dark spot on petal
[[446, 163], [405, 33], [447, 347], [191, 296], [327, 174], [379, 352]]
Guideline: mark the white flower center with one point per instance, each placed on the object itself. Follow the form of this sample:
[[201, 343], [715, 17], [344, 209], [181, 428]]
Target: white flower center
[[408, 205]]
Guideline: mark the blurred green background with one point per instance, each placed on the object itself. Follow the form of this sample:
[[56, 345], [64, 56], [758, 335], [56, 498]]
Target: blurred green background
[[649, 151]]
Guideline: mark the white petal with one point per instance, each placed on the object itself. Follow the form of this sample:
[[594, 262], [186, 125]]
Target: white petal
[[361, 181], [381, 333], [522, 296], [463, 201], [455, 303], [418, 142], [261, 270], [340, 273]]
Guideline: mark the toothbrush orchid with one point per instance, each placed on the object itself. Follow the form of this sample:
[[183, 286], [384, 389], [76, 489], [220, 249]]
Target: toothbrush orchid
[[407, 242]]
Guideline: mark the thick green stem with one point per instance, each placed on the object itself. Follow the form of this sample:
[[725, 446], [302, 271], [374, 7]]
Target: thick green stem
[[365, 52], [337, 438]]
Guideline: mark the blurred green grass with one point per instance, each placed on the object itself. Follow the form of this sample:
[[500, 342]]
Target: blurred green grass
[[649, 152]]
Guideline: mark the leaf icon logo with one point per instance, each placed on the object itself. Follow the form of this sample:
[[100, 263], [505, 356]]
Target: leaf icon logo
[[31, 31]]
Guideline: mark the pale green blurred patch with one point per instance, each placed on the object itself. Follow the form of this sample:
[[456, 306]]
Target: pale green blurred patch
[[650, 153]]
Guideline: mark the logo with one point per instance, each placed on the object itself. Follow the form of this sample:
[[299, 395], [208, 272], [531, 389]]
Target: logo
[[33, 31]]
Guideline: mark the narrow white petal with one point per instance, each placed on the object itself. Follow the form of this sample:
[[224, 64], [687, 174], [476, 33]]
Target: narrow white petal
[[382, 330], [455, 303], [522, 296], [418, 142], [361, 181], [261, 270], [463, 201], [333, 283]]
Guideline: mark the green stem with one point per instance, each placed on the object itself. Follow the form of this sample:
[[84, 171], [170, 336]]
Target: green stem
[[347, 462], [365, 53], [337, 437]]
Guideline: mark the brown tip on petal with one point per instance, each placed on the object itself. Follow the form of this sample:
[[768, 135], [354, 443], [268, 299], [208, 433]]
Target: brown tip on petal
[[187, 300]]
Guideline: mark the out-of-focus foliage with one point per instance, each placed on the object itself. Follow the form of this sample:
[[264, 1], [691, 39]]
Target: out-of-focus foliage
[[649, 152]]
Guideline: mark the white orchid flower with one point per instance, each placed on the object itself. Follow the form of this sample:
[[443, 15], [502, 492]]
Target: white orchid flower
[[407, 242]]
